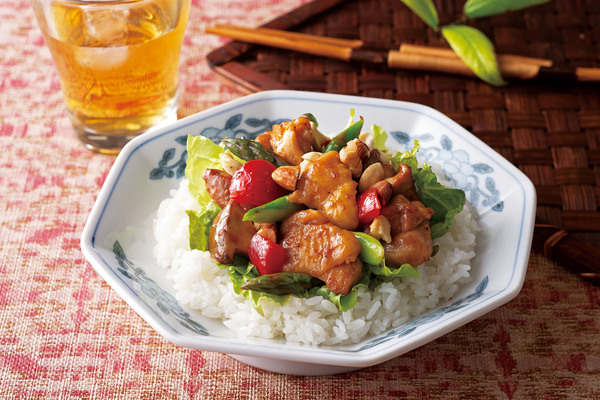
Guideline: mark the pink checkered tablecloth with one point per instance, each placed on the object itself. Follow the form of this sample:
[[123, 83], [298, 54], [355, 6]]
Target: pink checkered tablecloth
[[65, 334]]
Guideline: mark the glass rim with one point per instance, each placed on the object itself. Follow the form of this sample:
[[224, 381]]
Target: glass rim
[[97, 2]]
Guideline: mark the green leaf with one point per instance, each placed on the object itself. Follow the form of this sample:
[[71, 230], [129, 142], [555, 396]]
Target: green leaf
[[200, 223], [425, 9], [379, 137], [476, 50], [485, 8], [445, 202], [405, 270], [408, 157], [344, 302], [202, 154]]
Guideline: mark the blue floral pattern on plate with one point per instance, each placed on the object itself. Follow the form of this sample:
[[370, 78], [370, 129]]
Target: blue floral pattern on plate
[[237, 127], [455, 163], [164, 302], [413, 324], [177, 169]]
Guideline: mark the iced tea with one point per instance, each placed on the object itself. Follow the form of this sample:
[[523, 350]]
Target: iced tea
[[118, 63]]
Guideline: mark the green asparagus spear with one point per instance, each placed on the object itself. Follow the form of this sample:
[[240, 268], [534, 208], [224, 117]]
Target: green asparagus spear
[[274, 211], [348, 134], [250, 150], [281, 283]]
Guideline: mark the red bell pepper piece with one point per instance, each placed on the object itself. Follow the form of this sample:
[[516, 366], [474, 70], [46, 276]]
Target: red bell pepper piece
[[369, 206], [266, 255], [252, 184]]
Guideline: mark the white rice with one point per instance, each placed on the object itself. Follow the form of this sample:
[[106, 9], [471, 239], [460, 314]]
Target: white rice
[[201, 285]]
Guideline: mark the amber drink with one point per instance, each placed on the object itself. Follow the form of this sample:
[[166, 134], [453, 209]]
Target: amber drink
[[118, 64]]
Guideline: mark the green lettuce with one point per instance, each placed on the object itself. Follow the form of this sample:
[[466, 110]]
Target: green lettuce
[[445, 202], [379, 137], [202, 154], [408, 157], [405, 270], [200, 223], [344, 302]]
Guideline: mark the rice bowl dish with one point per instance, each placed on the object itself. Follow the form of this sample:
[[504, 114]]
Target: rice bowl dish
[[119, 236]]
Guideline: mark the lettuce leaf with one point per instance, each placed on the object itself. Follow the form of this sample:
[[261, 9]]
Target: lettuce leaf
[[200, 223], [408, 157], [202, 154], [379, 137], [445, 202], [344, 302], [405, 270]]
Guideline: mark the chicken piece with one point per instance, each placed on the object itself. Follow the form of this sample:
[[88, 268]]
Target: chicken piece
[[290, 140], [317, 247], [217, 185], [413, 247], [405, 215], [265, 140], [229, 235], [403, 183], [326, 185], [342, 278]]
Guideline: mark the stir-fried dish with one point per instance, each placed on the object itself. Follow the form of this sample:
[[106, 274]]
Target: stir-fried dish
[[297, 212]]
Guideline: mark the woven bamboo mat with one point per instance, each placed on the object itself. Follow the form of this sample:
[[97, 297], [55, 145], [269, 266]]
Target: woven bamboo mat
[[551, 131]]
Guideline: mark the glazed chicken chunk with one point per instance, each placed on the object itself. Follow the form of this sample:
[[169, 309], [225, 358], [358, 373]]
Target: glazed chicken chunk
[[413, 247], [290, 140], [411, 236], [326, 184], [404, 214], [317, 247]]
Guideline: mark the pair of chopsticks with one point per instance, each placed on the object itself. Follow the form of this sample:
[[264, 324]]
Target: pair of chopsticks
[[408, 56]]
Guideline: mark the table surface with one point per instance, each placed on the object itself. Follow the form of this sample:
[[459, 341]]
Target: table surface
[[65, 334]]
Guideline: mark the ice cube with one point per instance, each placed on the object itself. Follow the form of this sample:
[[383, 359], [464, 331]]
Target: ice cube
[[105, 27], [103, 58]]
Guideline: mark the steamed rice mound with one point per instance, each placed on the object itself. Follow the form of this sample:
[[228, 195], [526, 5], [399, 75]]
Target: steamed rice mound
[[200, 285]]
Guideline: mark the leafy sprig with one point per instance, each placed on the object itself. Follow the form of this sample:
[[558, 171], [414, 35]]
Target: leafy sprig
[[470, 44]]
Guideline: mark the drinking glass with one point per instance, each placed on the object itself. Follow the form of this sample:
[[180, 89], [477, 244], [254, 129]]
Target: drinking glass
[[118, 64]]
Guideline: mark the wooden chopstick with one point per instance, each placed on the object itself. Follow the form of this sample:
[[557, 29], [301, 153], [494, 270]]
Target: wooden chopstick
[[219, 29], [408, 56], [313, 44]]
